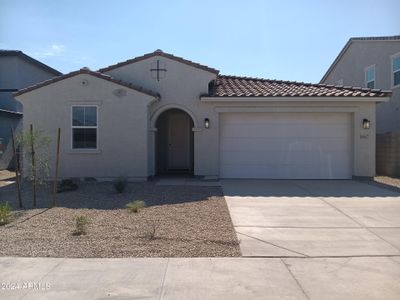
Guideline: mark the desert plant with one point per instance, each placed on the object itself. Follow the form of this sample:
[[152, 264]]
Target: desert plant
[[152, 228], [5, 213], [40, 142], [36, 157], [120, 185], [67, 185], [135, 206], [81, 225]]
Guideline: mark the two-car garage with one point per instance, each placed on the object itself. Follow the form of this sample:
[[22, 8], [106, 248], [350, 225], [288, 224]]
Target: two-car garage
[[286, 145]]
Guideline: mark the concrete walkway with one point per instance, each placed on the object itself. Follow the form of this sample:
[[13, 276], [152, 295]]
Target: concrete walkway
[[306, 218], [200, 278]]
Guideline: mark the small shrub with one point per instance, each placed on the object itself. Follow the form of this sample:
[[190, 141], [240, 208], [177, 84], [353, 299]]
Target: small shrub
[[5, 214], [81, 225], [66, 185], [135, 206], [152, 229], [120, 185]]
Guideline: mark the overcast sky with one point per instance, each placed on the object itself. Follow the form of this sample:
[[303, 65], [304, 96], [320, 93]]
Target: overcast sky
[[282, 39]]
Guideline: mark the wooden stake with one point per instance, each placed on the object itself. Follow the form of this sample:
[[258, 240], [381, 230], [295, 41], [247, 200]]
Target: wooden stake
[[17, 168], [57, 163], [33, 165]]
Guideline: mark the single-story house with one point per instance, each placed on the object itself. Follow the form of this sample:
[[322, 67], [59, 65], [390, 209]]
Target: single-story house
[[162, 114]]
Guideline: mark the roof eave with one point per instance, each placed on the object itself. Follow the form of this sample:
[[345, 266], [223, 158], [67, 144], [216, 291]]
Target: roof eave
[[30, 59], [14, 113], [335, 62], [162, 54], [84, 72], [236, 99]]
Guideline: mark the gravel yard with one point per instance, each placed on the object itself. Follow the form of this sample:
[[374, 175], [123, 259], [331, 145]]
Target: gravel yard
[[390, 181], [188, 221]]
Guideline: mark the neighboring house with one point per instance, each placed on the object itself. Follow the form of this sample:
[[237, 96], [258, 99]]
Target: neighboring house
[[374, 62], [17, 71], [162, 114]]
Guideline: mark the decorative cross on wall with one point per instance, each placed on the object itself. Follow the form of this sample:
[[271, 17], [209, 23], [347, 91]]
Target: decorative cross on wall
[[156, 71]]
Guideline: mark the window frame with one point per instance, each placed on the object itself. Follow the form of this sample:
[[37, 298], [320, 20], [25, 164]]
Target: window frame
[[392, 58], [80, 127], [366, 69]]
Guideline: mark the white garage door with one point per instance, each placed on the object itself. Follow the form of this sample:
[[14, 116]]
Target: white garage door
[[286, 145]]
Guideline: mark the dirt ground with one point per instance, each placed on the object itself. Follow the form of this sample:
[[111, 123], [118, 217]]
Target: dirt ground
[[187, 221]]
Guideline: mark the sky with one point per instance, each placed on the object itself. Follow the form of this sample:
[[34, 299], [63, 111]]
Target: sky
[[282, 39]]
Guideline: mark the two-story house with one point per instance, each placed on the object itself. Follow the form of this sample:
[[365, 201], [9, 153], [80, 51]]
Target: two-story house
[[374, 62], [17, 71]]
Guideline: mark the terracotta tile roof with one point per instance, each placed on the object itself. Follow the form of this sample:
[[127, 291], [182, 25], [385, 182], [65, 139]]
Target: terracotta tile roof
[[233, 86], [89, 72], [350, 41], [30, 59], [159, 52]]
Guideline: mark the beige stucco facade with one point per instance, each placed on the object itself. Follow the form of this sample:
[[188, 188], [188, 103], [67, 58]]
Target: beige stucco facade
[[126, 124], [122, 127], [349, 69]]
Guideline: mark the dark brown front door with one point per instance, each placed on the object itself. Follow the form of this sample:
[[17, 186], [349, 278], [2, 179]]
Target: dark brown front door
[[178, 141], [174, 142]]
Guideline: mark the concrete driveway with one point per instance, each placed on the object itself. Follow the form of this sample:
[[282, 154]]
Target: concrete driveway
[[310, 218]]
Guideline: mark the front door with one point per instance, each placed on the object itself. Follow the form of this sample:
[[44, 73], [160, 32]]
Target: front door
[[178, 142]]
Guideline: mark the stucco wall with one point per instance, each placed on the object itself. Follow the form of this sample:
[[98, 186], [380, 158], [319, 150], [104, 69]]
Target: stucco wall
[[350, 69], [122, 127], [127, 124], [181, 88], [8, 72], [17, 73], [363, 140]]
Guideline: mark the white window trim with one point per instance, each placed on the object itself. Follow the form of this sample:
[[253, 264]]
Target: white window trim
[[366, 69], [392, 58], [96, 127]]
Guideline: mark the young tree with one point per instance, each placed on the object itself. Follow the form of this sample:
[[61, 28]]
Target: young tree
[[34, 145]]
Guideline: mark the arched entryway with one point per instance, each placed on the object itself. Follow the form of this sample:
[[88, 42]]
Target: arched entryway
[[174, 142]]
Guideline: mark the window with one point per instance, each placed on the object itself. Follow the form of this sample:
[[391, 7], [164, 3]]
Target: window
[[396, 69], [370, 77], [84, 127]]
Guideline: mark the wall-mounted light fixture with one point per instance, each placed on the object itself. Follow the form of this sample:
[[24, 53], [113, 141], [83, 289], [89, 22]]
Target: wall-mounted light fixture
[[366, 123], [207, 123]]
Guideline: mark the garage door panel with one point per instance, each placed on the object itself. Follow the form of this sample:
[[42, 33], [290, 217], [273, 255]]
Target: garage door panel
[[280, 158], [279, 144], [282, 172], [289, 131], [285, 145]]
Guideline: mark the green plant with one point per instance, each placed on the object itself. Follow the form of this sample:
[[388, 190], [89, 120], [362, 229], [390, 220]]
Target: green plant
[[81, 225], [41, 143], [5, 213], [120, 185], [135, 206]]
